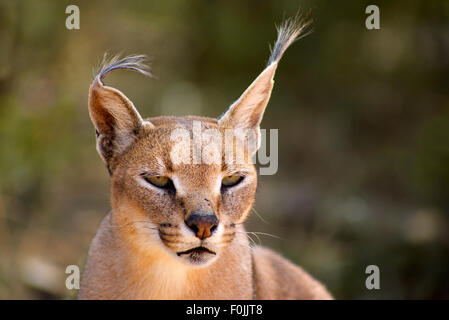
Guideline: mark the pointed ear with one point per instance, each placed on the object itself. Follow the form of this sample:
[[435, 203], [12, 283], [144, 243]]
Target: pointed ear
[[117, 122], [248, 110]]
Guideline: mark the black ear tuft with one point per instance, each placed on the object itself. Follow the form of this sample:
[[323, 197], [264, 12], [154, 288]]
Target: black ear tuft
[[289, 31], [117, 122]]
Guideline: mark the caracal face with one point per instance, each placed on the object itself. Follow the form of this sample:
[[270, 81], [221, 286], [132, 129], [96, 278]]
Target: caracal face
[[223, 191], [181, 188], [183, 184]]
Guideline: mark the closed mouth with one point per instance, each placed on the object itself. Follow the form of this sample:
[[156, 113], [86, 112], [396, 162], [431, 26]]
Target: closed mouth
[[196, 251]]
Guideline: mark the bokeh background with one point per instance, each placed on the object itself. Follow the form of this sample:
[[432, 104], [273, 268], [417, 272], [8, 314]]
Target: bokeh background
[[363, 119]]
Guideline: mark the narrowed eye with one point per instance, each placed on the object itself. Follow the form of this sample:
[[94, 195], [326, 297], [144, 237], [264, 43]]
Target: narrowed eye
[[230, 181], [159, 181]]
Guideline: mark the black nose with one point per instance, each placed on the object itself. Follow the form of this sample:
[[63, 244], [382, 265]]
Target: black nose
[[203, 225]]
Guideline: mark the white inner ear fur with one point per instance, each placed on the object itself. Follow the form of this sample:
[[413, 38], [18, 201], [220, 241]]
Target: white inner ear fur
[[147, 124], [123, 110], [126, 117], [248, 110]]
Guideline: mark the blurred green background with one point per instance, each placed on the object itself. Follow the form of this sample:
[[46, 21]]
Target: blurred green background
[[363, 119]]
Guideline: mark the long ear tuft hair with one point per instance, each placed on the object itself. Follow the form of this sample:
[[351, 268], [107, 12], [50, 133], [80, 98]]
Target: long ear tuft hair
[[137, 63], [117, 122], [247, 111], [289, 31]]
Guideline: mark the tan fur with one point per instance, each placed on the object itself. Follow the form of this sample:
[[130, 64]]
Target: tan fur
[[125, 263], [144, 248]]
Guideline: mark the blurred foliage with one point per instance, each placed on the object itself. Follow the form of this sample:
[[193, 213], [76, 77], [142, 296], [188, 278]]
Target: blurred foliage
[[363, 142]]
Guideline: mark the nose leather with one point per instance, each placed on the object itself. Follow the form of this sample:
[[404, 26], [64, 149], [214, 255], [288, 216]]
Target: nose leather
[[202, 224]]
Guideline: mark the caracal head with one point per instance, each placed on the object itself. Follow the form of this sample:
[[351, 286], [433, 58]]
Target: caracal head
[[182, 185]]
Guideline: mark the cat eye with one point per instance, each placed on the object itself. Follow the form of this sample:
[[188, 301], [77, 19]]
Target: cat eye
[[159, 181], [230, 181]]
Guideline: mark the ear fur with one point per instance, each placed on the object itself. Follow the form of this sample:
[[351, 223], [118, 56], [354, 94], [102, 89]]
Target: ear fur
[[114, 116], [248, 110]]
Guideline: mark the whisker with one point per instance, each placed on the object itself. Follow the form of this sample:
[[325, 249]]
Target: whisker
[[253, 242], [260, 217], [257, 236], [245, 245], [267, 234]]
